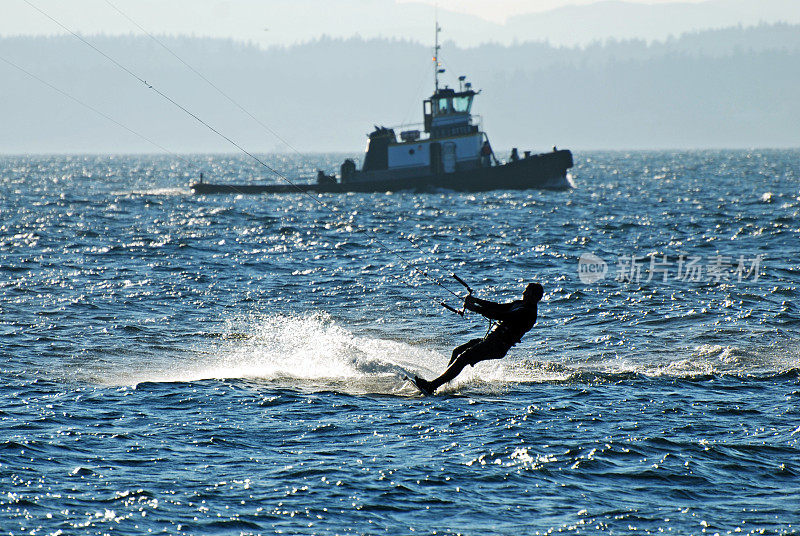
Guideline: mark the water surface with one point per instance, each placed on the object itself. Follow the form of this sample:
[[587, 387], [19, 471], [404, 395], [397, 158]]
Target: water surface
[[232, 364]]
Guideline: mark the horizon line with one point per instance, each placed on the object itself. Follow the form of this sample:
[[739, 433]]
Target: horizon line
[[409, 40]]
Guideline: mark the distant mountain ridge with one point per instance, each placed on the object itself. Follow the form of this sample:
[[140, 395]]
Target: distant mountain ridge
[[614, 19], [288, 22], [732, 87]]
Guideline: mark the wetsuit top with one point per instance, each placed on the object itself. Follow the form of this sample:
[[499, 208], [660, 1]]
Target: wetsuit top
[[516, 318]]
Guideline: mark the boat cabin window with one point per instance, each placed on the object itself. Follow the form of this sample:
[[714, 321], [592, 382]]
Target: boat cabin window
[[449, 105], [462, 104]]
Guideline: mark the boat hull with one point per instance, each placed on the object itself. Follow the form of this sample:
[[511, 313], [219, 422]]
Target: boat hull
[[547, 171]]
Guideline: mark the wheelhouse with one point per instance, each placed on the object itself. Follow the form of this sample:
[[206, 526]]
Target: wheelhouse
[[447, 113]]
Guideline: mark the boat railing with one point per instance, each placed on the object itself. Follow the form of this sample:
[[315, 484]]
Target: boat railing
[[409, 126], [474, 120]]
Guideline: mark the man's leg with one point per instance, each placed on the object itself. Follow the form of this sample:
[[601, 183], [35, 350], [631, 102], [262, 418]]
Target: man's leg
[[480, 351], [460, 349]]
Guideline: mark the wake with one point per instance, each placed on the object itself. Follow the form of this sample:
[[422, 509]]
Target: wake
[[313, 353], [309, 352]]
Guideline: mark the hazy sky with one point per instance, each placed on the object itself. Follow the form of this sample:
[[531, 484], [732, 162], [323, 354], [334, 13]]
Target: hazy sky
[[266, 21], [467, 22], [97, 15], [499, 10]]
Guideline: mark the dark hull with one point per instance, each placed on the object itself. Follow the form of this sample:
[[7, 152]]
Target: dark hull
[[546, 171]]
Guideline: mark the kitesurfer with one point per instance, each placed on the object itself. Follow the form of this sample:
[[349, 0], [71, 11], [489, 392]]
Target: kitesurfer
[[515, 319]]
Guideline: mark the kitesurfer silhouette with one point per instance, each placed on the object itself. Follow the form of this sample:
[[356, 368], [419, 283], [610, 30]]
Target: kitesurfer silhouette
[[515, 319]]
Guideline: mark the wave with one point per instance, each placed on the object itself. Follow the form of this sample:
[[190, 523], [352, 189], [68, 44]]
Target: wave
[[313, 353], [309, 351], [166, 191]]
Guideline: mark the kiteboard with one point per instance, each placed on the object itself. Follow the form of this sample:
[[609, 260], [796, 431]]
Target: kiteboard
[[421, 389]]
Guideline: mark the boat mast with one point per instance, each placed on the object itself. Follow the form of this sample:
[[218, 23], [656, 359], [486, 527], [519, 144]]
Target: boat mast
[[436, 63]]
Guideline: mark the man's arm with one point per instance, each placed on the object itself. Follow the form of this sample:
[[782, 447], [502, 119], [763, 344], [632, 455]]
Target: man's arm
[[489, 309]]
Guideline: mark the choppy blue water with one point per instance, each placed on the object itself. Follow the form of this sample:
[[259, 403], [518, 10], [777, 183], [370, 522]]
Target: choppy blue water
[[183, 364]]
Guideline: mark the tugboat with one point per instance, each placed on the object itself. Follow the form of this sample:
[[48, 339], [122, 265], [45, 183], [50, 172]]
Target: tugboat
[[451, 153]]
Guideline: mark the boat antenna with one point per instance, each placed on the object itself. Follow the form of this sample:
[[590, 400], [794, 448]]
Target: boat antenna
[[437, 65]]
